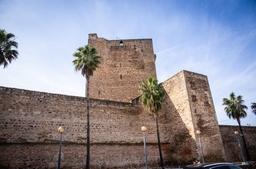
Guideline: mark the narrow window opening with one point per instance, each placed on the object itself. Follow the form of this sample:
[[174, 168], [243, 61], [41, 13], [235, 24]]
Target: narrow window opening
[[193, 85], [120, 64], [99, 92], [194, 98], [121, 76], [121, 43]]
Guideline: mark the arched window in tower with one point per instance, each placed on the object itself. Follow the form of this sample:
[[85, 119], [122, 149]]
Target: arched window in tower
[[121, 43]]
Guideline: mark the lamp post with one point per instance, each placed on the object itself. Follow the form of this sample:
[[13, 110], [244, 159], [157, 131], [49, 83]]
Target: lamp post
[[143, 128], [236, 133], [60, 130], [198, 132]]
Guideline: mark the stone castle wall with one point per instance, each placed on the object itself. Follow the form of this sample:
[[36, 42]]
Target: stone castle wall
[[29, 121], [123, 67], [231, 145]]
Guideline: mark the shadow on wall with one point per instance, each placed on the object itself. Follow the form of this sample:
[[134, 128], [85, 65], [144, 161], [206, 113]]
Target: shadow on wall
[[182, 147], [231, 144]]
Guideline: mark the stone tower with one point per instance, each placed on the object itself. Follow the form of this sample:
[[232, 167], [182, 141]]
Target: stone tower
[[189, 102], [125, 64]]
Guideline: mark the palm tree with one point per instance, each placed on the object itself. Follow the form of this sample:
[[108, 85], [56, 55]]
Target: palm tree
[[6, 44], [87, 61], [236, 109], [152, 95], [253, 106]]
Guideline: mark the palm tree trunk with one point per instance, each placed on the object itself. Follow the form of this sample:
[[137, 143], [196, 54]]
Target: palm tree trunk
[[244, 143], [158, 140], [88, 123]]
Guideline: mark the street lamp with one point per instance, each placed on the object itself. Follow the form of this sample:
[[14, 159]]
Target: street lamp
[[60, 130], [236, 133], [144, 129], [198, 132]]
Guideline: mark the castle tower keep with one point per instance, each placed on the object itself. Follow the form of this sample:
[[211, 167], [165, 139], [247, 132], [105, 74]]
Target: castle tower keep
[[125, 64]]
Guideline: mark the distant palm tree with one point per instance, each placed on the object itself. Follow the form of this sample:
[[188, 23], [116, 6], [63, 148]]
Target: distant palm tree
[[7, 54], [151, 98], [236, 109], [87, 61], [253, 106]]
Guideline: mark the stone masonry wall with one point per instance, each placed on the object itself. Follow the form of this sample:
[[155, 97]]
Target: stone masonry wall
[[73, 156], [190, 104], [29, 139], [182, 139], [29, 121], [231, 143], [123, 68], [204, 116]]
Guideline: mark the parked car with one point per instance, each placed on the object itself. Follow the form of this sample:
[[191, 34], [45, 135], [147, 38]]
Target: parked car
[[213, 166]]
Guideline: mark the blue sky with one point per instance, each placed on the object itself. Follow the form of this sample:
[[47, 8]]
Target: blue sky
[[216, 38]]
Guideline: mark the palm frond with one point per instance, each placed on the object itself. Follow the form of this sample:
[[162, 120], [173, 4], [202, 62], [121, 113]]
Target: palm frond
[[7, 54], [152, 94], [234, 107], [86, 60]]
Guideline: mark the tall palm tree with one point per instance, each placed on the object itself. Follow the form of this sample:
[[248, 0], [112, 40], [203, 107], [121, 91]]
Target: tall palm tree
[[253, 106], [87, 61], [235, 109], [7, 54], [152, 95]]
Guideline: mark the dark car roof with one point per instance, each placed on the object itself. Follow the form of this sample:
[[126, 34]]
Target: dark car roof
[[208, 165]]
